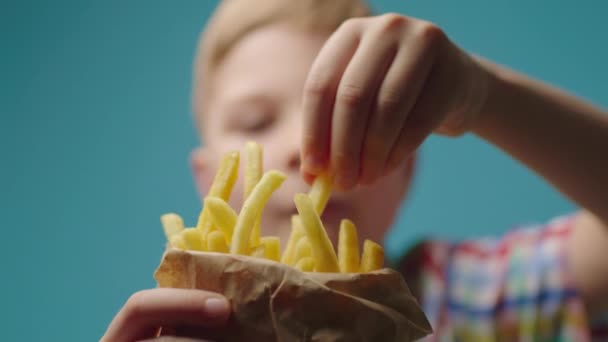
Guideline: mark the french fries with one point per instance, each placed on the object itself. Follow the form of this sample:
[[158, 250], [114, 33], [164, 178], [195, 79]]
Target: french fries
[[322, 249], [306, 264], [254, 170], [221, 229], [320, 192], [172, 224], [372, 257], [226, 176], [216, 242], [254, 167], [252, 208], [272, 247], [303, 249], [194, 239], [297, 232], [222, 185], [221, 215], [348, 247], [177, 241], [257, 251]]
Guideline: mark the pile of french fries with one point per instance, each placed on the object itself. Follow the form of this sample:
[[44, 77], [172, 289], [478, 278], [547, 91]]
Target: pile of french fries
[[221, 229]]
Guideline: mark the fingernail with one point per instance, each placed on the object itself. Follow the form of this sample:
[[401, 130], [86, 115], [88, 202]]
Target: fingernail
[[314, 163], [217, 306], [308, 177]]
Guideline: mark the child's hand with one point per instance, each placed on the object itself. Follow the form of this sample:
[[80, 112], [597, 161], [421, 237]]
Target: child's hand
[[188, 313], [377, 89]]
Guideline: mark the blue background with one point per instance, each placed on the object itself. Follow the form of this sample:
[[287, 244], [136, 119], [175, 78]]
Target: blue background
[[95, 133]]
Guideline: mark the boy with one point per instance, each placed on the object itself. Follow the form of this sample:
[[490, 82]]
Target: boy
[[373, 89]]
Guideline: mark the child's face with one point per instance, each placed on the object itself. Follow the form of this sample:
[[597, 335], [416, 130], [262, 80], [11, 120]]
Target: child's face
[[256, 95]]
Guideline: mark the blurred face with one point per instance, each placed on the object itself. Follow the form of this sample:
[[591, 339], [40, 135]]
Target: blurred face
[[257, 95]]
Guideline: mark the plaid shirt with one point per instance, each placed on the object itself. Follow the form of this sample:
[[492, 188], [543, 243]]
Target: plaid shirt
[[516, 288]]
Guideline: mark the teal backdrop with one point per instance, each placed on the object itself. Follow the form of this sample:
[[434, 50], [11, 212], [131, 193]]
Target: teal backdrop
[[96, 129]]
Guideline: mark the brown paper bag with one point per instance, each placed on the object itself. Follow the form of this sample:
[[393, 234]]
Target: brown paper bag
[[274, 302]]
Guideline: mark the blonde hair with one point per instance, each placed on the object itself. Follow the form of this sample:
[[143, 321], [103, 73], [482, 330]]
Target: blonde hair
[[233, 19]]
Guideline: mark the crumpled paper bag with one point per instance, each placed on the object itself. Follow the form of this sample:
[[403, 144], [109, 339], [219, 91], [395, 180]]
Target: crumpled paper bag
[[275, 302]]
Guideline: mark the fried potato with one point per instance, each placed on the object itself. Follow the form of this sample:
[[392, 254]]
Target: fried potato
[[221, 229], [272, 247], [257, 251], [222, 216], [306, 264], [372, 258], [194, 239], [252, 208], [320, 192], [303, 249], [222, 186], [322, 249], [172, 224], [297, 232], [348, 247], [177, 241], [216, 242], [254, 169]]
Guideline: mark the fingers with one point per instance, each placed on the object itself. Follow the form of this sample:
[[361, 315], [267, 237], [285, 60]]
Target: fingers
[[354, 100], [319, 96], [396, 97], [419, 124], [369, 101], [147, 310], [429, 110]]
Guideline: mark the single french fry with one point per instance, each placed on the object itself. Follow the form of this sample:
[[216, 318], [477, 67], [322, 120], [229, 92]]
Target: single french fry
[[223, 182], [172, 224], [226, 176], [320, 192], [252, 208], [256, 232], [194, 239], [177, 241], [372, 258], [322, 249], [306, 264], [288, 256], [257, 251], [272, 247], [216, 242], [303, 249], [254, 169], [348, 247], [222, 216], [319, 195]]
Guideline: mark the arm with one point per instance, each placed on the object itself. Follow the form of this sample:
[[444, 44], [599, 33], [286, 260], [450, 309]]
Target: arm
[[555, 134], [566, 141], [363, 119]]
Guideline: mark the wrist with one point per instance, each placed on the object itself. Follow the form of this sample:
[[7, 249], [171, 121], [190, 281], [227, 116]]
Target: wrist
[[495, 84], [470, 98]]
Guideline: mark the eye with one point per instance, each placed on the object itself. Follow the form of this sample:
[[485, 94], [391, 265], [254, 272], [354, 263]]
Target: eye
[[251, 121], [255, 122]]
